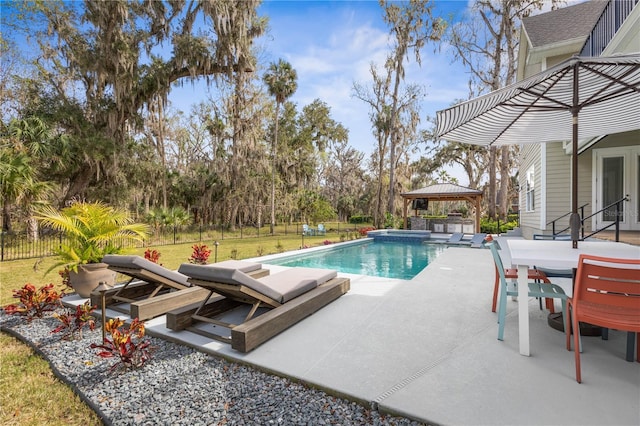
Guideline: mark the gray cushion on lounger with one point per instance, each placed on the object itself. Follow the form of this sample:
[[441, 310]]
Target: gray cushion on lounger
[[293, 282], [222, 270], [280, 287], [228, 276], [137, 262], [240, 265]]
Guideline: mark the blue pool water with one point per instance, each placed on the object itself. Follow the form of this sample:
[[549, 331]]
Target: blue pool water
[[380, 259]]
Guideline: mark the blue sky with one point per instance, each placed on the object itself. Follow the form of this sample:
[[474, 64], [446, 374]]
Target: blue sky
[[331, 44]]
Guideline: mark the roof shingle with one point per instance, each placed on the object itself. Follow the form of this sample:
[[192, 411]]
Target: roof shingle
[[563, 24]]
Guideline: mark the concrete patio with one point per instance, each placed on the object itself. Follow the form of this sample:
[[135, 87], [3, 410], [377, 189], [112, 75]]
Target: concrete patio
[[427, 349]]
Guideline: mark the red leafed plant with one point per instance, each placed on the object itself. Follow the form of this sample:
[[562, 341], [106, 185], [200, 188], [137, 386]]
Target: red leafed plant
[[74, 322], [363, 231], [200, 254], [327, 242], [126, 345], [152, 255], [34, 302]]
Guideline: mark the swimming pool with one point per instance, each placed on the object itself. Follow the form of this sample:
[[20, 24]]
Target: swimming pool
[[380, 259]]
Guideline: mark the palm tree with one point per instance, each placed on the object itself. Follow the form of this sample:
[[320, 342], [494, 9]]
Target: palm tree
[[281, 80], [27, 144]]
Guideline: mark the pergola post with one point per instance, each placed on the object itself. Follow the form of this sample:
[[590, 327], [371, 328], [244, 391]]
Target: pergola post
[[477, 203], [406, 203]]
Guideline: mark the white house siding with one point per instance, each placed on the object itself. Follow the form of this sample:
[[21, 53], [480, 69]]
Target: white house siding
[[530, 221], [558, 186], [619, 139], [532, 69], [555, 60], [585, 176]]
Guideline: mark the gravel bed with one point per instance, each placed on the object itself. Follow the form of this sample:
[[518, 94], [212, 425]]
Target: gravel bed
[[181, 386]]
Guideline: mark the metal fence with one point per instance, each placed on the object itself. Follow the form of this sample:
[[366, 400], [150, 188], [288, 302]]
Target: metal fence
[[15, 246]]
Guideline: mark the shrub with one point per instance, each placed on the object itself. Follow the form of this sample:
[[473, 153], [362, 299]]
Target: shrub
[[74, 322], [152, 255], [491, 226], [389, 220], [93, 230], [279, 247], [128, 346], [34, 303], [327, 242], [260, 250], [363, 231], [357, 219], [200, 254]]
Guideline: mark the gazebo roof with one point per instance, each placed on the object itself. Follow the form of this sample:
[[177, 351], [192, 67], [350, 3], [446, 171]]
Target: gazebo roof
[[443, 191]]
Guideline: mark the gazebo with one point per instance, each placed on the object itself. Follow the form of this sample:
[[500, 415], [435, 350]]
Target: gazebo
[[444, 192]]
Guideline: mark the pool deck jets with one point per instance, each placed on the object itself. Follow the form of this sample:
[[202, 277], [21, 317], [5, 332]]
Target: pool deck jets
[[427, 349]]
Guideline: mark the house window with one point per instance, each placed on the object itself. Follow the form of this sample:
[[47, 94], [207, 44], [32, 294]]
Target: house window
[[531, 191]]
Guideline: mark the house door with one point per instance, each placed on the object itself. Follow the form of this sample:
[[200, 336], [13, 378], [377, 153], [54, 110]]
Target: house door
[[617, 176]]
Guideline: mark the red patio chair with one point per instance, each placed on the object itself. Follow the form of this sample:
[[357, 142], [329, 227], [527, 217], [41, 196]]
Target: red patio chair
[[606, 293]]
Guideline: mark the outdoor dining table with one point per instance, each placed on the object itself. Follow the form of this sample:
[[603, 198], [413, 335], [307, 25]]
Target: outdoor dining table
[[557, 254]]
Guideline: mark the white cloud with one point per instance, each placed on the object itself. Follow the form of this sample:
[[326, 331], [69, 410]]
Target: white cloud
[[312, 64]]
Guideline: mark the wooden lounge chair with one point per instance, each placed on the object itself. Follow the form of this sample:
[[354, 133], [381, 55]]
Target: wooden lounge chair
[[290, 296], [152, 289]]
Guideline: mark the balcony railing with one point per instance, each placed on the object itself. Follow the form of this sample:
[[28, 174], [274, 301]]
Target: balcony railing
[[613, 15]]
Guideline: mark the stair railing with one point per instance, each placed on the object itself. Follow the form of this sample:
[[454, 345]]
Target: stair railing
[[553, 222], [616, 222]]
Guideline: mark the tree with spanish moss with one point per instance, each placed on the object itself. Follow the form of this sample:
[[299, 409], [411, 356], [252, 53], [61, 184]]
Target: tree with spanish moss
[[101, 65]]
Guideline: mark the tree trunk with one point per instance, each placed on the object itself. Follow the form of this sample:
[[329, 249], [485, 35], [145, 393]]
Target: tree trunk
[[78, 185], [505, 182], [32, 226], [379, 209], [393, 138], [491, 199], [234, 217], [273, 173], [6, 217]]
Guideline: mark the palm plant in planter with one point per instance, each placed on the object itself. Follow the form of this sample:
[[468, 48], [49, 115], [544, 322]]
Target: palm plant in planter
[[92, 230]]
